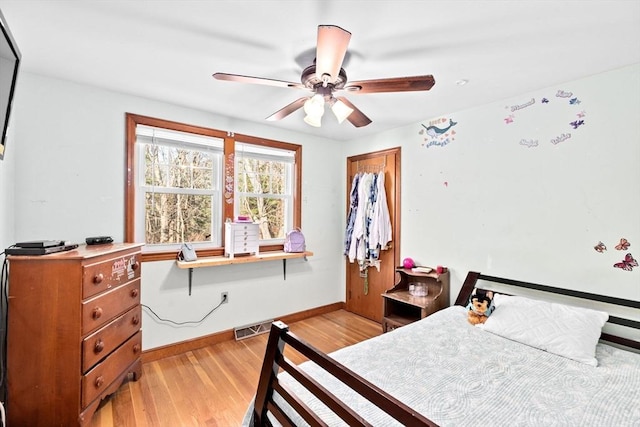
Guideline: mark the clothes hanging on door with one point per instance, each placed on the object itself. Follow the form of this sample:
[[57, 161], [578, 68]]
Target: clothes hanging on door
[[368, 227]]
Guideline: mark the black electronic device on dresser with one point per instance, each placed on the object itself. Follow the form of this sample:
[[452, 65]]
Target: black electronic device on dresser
[[98, 240], [40, 247]]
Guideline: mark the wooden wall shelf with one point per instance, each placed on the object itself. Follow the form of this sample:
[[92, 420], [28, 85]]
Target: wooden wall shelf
[[216, 261]]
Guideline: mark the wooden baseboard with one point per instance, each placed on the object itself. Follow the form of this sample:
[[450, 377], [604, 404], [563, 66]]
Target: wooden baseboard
[[196, 343]]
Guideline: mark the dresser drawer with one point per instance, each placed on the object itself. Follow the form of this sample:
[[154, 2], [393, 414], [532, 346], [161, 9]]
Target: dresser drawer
[[99, 378], [108, 274], [99, 310], [106, 339]]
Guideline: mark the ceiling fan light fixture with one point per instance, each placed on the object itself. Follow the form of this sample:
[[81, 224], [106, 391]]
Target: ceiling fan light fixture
[[314, 109], [340, 110], [315, 121], [314, 106]]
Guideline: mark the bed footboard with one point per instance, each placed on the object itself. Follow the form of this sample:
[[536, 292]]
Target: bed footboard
[[268, 383]]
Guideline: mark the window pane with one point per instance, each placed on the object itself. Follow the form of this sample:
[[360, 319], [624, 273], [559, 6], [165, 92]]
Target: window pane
[[269, 212], [261, 176], [155, 166], [177, 218], [178, 168]]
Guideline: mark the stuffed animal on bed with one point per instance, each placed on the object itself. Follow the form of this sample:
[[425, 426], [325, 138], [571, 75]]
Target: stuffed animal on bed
[[480, 306]]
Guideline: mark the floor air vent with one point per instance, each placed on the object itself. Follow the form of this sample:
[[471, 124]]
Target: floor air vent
[[248, 331]]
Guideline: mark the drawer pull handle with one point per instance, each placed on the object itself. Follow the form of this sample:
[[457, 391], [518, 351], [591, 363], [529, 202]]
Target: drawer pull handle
[[96, 313], [135, 320], [99, 381], [135, 265], [136, 348], [99, 346], [134, 293], [98, 278]]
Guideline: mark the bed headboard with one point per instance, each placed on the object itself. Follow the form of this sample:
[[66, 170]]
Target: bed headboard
[[473, 277]]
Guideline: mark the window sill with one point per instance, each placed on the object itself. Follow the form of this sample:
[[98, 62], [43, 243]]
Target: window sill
[[215, 261]]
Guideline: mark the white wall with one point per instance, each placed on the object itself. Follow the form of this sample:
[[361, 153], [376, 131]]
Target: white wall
[[530, 213], [487, 202], [69, 184]]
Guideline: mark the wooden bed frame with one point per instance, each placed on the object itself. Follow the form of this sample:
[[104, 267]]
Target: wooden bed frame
[[280, 335]]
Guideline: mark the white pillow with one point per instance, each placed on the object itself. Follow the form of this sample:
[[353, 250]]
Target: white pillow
[[567, 331]]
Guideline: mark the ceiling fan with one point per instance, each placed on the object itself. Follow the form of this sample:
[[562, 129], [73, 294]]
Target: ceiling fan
[[326, 76]]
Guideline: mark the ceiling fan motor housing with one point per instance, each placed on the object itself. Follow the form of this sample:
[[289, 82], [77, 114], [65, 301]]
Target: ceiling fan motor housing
[[311, 80]]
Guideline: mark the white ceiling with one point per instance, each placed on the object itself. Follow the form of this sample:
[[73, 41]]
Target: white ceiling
[[167, 50]]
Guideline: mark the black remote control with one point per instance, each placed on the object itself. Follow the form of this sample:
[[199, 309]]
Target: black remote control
[[98, 240]]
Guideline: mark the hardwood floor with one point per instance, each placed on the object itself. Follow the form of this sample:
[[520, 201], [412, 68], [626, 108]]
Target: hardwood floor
[[213, 386]]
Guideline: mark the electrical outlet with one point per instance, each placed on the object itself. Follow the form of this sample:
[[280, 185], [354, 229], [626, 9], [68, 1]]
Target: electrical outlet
[[224, 297]]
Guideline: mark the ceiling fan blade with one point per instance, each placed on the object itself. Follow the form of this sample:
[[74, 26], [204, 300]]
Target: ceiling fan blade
[[256, 80], [395, 84], [330, 51], [284, 112], [357, 118]]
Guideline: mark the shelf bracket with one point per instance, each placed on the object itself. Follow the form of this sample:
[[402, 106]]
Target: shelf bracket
[[284, 266], [190, 279]]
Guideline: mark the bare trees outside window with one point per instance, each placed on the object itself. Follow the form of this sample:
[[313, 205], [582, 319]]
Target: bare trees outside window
[[179, 194], [264, 195]]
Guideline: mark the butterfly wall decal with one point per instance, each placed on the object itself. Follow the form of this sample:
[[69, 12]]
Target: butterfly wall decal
[[576, 123], [627, 263], [623, 245], [600, 247]]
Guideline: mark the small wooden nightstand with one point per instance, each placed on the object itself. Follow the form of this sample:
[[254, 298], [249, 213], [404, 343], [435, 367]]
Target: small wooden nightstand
[[401, 308]]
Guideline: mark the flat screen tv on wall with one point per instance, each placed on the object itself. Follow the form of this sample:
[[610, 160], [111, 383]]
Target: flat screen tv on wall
[[9, 64]]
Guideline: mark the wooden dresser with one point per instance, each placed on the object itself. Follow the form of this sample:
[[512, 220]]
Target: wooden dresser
[[241, 238], [74, 332]]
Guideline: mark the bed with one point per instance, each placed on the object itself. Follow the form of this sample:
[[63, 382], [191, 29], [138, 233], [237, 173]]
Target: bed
[[444, 371]]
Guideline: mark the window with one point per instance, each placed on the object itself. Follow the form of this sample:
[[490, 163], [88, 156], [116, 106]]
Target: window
[[178, 177], [264, 188], [184, 181]]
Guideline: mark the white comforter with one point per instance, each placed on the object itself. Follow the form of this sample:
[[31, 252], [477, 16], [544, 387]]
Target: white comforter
[[459, 375]]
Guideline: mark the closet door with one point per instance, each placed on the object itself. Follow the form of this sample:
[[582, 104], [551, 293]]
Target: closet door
[[363, 290]]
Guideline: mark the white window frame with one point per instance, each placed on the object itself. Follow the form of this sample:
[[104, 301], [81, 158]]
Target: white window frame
[[248, 150], [152, 135]]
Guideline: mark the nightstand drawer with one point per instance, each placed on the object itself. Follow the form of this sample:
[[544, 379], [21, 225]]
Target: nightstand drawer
[[98, 345]]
